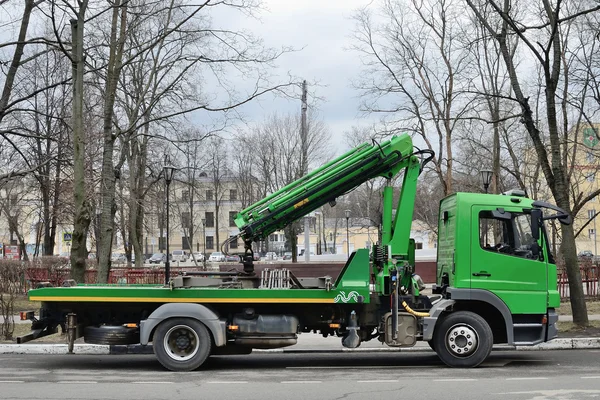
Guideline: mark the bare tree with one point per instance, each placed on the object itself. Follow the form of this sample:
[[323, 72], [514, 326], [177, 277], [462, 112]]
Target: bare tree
[[541, 33], [280, 159], [414, 62]]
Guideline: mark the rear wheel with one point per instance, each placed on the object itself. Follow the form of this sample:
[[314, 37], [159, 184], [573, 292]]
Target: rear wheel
[[463, 339], [182, 344]]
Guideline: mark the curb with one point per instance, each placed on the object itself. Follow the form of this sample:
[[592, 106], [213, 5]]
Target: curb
[[96, 349]]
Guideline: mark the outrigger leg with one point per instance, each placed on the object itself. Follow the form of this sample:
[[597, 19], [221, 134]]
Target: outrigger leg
[[248, 259]]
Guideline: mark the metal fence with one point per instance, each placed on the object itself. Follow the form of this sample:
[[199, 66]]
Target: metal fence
[[589, 279], [117, 276]]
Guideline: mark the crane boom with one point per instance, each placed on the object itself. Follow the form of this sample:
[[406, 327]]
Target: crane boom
[[324, 185]]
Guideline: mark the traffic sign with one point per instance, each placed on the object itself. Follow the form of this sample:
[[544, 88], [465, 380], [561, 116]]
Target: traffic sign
[[67, 236]]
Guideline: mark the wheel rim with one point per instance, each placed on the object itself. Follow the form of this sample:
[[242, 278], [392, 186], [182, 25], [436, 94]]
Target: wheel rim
[[181, 343], [462, 340]]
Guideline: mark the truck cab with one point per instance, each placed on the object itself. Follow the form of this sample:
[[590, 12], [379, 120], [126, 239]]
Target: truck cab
[[494, 258]]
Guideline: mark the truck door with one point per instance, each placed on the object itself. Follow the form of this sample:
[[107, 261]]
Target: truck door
[[503, 263]]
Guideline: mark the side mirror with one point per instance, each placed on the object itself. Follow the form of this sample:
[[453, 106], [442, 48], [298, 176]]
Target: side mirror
[[536, 217]]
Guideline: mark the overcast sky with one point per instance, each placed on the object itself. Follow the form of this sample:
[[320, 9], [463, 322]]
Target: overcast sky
[[322, 30]]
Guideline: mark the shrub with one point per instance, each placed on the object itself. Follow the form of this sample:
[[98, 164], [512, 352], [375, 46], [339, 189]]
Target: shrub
[[12, 284]]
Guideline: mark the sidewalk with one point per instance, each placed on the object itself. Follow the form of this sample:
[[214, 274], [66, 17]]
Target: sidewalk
[[307, 343]]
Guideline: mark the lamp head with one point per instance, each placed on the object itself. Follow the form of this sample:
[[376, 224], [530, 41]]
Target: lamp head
[[168, 173], [486, 177]]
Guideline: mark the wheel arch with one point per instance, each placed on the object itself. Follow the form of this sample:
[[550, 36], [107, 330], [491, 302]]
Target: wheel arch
[[490, 307], [199, 312]]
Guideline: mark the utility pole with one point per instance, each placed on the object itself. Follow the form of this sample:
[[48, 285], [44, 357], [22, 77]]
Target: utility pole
[[304, 164]]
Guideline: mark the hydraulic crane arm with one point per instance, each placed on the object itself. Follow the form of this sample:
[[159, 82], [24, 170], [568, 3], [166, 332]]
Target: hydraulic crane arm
[[325, 184]]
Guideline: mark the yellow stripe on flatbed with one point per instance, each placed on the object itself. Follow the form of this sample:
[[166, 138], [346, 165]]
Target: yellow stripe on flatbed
[[172, 300]]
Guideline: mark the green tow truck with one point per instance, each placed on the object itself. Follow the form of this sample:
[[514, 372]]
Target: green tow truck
[[496, 279]]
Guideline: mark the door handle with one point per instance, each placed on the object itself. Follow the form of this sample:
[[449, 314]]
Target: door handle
[[483, 273]]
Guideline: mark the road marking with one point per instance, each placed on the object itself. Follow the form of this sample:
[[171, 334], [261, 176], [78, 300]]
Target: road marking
[[301, 382], [380, 381], [150, 382], [227, 382], [538, 378], [12, 381], [455, 380], [77, 382], [367, 367], [590, 377]]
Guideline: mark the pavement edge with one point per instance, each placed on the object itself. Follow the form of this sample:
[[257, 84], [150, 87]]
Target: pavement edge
[[94, 349]]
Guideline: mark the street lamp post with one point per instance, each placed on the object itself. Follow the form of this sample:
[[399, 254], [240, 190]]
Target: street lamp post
[[595, 234], [168, 171], [347, 212], [318, 224], [204, 241]]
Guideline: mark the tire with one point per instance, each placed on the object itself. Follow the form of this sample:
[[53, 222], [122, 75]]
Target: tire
[[181, 344], [111, 335], [463, 339], [431, 344]]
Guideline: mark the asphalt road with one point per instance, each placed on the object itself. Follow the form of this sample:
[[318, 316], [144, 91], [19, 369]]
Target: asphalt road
[[560, 375]]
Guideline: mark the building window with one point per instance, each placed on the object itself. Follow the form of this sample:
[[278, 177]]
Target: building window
[[185, 195], [591, 233], [210, 219], [233, 244], [232, 215], [185, 219], [589, 157], [210, 242], [591, 177], [591, 214], [233, 194], [185, 243], [210, 195]]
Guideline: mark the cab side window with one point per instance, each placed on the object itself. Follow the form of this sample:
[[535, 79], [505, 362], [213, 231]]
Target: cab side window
[[510, 235]]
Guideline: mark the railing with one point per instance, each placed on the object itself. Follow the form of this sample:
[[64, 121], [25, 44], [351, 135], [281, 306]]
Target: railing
[[589, 279], [117, 276]]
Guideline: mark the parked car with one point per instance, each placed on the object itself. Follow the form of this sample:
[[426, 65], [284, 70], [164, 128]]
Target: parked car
[[217, 256], [118, 258], [198, 256], [585, 254], [287, 255], [157, 258], [270, 255], [180, 255], [232, 258]]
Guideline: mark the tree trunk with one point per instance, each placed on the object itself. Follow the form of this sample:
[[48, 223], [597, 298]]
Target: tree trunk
[[109, 172], [81, 217]]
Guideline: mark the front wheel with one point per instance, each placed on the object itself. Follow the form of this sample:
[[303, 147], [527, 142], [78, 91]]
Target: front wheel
[[182, 344], [463, 339]]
